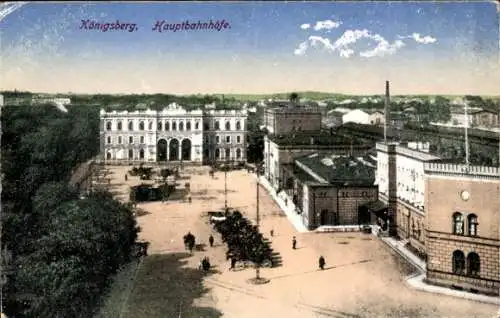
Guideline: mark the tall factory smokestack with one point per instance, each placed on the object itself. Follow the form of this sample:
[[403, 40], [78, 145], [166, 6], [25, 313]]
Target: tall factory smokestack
[[387, 110]]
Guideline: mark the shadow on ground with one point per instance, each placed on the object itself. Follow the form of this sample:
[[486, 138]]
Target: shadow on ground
[[165, 288]]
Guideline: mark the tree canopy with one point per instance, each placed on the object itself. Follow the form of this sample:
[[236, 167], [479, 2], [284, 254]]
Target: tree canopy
[[64, 248]]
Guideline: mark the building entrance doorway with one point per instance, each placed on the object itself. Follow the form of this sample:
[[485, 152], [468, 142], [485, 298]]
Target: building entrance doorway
[[161, 150], [173, 150]]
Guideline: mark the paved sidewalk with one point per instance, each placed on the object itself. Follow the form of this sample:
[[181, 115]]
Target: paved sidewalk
[[289, 208], [414, 281], [417, 281]]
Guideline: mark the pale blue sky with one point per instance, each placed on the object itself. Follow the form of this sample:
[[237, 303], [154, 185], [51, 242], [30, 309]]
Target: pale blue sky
[[343, 47]]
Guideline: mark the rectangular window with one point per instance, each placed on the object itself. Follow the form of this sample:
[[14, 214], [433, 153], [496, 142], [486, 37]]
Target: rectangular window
[[109, 140], [120, 140], [130, 139], [228, 139], [142, 139], [238, 139], [217, 139]]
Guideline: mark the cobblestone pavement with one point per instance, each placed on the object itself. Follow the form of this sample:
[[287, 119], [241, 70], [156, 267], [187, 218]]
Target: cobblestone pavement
[[363, 277]]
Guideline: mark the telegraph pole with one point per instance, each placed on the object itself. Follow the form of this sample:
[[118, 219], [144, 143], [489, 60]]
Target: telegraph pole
[[257, 267], [225, 186], [257, 279]]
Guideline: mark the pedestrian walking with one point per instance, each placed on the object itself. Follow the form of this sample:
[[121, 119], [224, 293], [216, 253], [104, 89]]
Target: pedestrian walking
[[294, 243], [189, 199], [322, 262], [126, 177], [233, 263], [272, 233], [211, 241]]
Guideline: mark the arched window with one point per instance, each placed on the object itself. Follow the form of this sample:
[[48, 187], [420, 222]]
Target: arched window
[[217, 153], [108, 155], [238, 125], [228, 125], [458, 262], [130, 125], [160, 126], [167, 126], [228, 153], [197, 125], [238, 153], [458, 223], [473, 264], [181, 126], [119, 125], [141, 125], [150, 126], [188, 125], [174, 125], [472, 223], [217, 125], [108, 125]]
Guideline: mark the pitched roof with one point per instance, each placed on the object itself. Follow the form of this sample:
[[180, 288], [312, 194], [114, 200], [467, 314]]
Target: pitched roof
[[340, 170]]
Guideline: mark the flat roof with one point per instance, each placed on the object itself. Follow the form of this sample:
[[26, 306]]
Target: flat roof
[[314, 138], [345, 171]]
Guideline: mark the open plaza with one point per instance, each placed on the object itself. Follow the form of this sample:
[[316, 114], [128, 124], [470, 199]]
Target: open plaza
[[362, 277]]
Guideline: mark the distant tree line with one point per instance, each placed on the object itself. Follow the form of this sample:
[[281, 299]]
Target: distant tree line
[[63, 247]]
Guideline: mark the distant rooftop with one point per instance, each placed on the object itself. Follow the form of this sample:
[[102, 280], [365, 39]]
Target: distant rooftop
[[313, 138], [345, 171]]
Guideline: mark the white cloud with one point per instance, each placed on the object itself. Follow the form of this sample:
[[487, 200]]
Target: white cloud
[[315, 40], [424, 40], [343, 44], [305, 26], [383, 48], [326, 25], [419, 39], [301, 50], [346, 53]]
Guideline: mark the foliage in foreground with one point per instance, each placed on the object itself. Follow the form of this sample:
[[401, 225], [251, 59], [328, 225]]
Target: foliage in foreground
[[64, 248]]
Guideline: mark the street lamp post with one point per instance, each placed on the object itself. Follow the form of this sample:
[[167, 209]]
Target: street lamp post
[[225, 187], [257, 279]]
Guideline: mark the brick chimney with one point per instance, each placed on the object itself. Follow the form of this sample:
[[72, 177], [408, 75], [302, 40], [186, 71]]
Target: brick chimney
[[387, 111]]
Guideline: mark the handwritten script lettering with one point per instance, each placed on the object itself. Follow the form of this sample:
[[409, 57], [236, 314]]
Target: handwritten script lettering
[[105, 27], [162, 25]]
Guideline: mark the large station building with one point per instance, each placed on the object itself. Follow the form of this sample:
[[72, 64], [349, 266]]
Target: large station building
[[173, 134]]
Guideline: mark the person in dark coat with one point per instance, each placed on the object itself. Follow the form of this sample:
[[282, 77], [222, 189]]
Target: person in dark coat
[[322, 262], [211, 241], [272, 233], [233, 262], [294, 243], [126, 178]]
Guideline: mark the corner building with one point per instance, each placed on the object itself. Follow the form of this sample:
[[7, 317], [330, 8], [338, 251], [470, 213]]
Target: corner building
[[463, 226], [173, 135]]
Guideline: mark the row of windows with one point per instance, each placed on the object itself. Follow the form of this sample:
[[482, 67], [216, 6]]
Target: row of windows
[[458, 224], [470, 266], [130, 154], [173, 126], [120, 141], [228, 139], [109, 140], [218, 153]]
